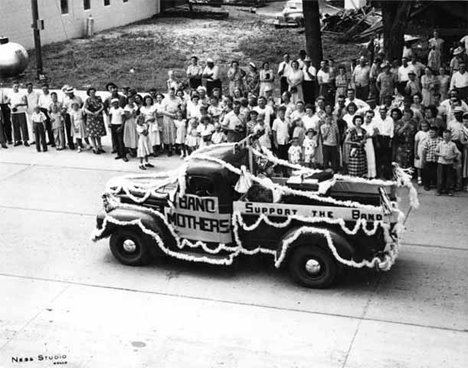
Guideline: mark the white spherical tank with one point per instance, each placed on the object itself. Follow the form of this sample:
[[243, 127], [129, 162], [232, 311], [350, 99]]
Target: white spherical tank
[[13, 58]]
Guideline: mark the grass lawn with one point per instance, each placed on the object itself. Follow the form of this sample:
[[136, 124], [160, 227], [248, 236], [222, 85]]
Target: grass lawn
[[141, 54]]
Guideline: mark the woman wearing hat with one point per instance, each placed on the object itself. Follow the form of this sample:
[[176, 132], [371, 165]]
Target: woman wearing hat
[[93, 108], [252, 80]]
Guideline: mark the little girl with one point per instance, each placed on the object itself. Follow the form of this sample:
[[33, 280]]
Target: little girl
[[419, 139], [299, 132], [78, 125], [181, 133], [310, 145], [192, 136], [218, 135], [56, 119], [144, 144], [295, 151]]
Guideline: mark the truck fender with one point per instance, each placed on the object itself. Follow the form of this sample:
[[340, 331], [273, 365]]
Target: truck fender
[[126, 215], [313, 236]]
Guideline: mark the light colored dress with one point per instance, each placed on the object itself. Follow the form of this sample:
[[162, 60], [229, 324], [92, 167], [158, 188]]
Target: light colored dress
[[130, 136], [181, 131], [266, 85], [144, 144], [79, 126], [296, 76], [169, 105], [370, 152], [420, 137], [428, 87], [150, 113]]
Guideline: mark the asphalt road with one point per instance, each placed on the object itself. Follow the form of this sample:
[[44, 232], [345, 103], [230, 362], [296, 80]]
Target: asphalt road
[[65, 299]]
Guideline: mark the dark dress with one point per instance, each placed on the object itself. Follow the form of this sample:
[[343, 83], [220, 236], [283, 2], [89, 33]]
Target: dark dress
[[94, 123], [357, 164], [403, 144]]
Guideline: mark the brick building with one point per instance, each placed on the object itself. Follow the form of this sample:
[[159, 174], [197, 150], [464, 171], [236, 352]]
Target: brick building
[[65, 19]]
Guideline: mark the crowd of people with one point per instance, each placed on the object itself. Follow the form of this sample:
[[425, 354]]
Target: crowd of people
[[356, 119]]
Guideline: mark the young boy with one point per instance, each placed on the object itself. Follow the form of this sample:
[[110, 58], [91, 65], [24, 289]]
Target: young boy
[[447, 152], [429, 158], [38, 118], [117, 120], [310, 145], [295, 152], [280, 131], [331, 155], [56, 120]]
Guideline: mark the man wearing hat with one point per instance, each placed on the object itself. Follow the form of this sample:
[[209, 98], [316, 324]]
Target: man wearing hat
[[459, 82], [68, 101], [385, 82], [211, 75], [413, 86], [308, 85], [361, 79]]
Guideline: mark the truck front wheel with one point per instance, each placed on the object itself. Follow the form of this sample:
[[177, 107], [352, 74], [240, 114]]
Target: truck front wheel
[[312, 267], [130, 246]]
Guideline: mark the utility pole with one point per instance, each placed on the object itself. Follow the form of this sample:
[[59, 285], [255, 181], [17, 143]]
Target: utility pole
[[37, 37]]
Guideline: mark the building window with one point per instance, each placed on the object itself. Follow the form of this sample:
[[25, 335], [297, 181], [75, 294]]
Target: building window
[[64, 6], [87, 4], [106, 2]]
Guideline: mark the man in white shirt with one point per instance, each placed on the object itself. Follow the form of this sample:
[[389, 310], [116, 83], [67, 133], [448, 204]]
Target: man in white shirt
[[234, 124], [280, 132], [283, 71], [324, 81], [264, 110], [19, 104], [308, 85], [459, 82], [33, 100], [383, 149], [70, 97], [361, 78], [44, 102], [403, 76], [436, 42], [361, 105]]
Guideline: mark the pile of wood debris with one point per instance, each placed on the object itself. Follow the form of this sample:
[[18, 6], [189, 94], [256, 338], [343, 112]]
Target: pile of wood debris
[[356, 25]]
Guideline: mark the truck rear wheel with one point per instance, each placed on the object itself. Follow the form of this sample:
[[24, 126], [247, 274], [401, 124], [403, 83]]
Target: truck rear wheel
[[312, 267], [130, 246]]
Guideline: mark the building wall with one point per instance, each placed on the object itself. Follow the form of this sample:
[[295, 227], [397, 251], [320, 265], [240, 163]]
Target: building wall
[[17, 18]]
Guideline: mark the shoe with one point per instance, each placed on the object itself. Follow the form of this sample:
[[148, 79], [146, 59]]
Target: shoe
[[45, 150], [169, 154], [100, 150], [10, 142], [32, 143], [49, 143], [19, 143], [419, 181], [142, 167], [426, 188], [26, 144], [79, 149], [450, 194], [149, 165], [52, 145], [4, 145], [125, 159], [117, 158], [113, 151]]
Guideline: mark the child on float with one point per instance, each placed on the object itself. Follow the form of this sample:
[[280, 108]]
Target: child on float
[[295, 152], [218, 135], [446, 152], [144, 143], [310, 145], [56, 119], [38, 118], [78, 130], [429, 158], [191, 141], [181, 133], [419, 139]]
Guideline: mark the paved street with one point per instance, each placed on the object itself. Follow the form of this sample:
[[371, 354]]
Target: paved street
[[66, 299]]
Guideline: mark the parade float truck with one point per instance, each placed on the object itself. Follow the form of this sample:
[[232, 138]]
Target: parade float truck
[[219, 206]]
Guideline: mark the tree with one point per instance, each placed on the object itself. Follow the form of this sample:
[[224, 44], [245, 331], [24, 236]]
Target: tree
[[313, 33], [395, 14]]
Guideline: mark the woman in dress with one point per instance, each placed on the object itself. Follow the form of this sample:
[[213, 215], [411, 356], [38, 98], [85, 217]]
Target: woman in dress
[[371, 131], [130, 136], [428, 85], [169, 105], [295, 79], [252, 80], [443, 83], [351, 110], [148, 110], [341, 82], [403, 141], [267, 77], [93, 107], [356, 140], [236, 78]]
